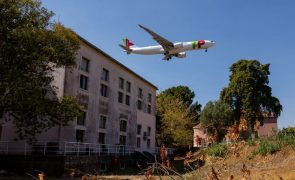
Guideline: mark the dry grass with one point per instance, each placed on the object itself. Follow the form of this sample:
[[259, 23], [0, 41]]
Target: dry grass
[[280, 165]]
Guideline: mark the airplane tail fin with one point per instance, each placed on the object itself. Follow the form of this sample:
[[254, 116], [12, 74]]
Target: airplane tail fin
[[127, 45]]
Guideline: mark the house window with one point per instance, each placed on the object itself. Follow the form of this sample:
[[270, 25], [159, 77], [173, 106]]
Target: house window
[[138, 129], [120, 97], [149, 109], [83, 82], [82, 119], [150, 98], [123, 125], [121, 83], [148, 131], [127, 100], [138, 142], [101, 138], [79, 135], [139, 105], [102, 122], [140, 93], [104, 90], [105, 75], [148, 143], [122, 140], [84, 65], [128, 86]]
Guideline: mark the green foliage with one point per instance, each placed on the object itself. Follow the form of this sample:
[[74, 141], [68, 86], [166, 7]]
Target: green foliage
[[248, 92], [267, 147], [176, 124], [31, 48], [216, 116], [251, 142], [286, 137], [287, 131], [219, 150], [176, 116]]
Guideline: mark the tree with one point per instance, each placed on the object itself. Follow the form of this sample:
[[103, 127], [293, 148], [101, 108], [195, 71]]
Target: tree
[[176, 124], [31, 48], [248, 92], [216, 116], [176, 104]]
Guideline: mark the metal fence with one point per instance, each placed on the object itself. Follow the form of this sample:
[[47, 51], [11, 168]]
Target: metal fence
[[70, 148]]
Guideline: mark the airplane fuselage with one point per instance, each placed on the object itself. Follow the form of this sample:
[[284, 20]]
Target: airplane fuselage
[[178, 48]]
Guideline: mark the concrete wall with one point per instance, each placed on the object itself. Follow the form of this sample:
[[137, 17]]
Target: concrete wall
[[198, 131]]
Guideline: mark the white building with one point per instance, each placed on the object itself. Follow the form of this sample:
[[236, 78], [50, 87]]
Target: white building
[[119, 104]]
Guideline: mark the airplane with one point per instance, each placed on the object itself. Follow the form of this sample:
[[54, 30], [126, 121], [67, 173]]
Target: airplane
[[166, 47]]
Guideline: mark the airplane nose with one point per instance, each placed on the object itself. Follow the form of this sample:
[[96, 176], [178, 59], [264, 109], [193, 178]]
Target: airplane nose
[[212, 43]]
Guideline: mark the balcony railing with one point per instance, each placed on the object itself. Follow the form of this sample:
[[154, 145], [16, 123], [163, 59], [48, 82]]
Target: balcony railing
[[70, 148]]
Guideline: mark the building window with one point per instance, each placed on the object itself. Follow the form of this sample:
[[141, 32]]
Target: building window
[[105, 75], [79, 135], [82, 119], [123, 125], [122, 140], [102, 122], [140, 93], [84, 64], [104, 90], [138, 142], [127, 100], [120, 97], [101, 138], [148, 131], [150, 98], [148, 143], [128, 86], [121, 83], [149, 109], [139, 105], [138, 129], [83, 82]]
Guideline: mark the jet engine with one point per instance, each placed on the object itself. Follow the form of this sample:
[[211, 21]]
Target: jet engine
[[181, 55]]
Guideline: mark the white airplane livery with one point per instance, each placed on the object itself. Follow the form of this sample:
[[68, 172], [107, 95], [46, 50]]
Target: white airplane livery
[[166, 47]]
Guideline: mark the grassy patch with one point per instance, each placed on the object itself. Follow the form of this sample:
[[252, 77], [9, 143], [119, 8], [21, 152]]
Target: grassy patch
[[266, 147], [286, 139], [217, 150], [251, 142]]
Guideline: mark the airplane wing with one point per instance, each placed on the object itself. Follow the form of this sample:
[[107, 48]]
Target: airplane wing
[[167, 45]]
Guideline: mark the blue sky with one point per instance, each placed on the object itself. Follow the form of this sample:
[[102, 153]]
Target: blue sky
[[262, 30]]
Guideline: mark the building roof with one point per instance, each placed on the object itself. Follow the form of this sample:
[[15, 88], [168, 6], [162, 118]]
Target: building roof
[[115, 61]]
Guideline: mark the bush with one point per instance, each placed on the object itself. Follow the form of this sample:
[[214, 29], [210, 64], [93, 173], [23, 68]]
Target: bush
[[266, 147], [287, 137], [251, 142], [217, 150]]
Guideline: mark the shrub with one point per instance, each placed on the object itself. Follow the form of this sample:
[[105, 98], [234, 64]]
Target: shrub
[[217, 150], [266, 147], [251, 142], [287, 137]]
